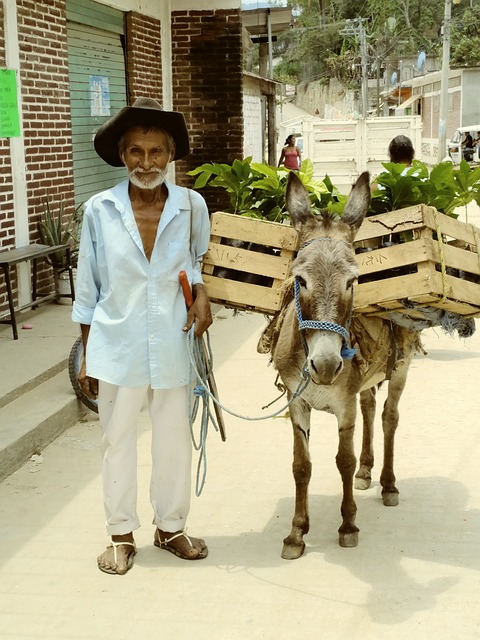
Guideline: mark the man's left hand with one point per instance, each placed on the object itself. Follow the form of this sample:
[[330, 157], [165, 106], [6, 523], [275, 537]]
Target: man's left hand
[[200, 312]]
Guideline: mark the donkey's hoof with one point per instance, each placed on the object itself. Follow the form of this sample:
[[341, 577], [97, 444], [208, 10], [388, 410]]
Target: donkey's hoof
[[292, 551], [363, 483], [390, 498], [348, 539]]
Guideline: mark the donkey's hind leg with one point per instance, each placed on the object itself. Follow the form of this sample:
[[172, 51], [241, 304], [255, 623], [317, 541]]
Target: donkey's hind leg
[[390, 417], [363, 477], [293, 545]]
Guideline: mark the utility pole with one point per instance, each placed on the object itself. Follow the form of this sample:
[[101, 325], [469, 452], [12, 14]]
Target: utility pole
[[363, 55], [378, 86], [356, 28], [443, 115]]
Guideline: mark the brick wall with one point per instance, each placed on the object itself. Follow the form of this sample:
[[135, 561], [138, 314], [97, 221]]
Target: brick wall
[[46, 112], [46, 105], [207, 88], [144, 68]]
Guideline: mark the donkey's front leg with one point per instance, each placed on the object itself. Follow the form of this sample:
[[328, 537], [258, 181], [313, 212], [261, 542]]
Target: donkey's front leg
[[346, 462], [293, 545], [363, 477]]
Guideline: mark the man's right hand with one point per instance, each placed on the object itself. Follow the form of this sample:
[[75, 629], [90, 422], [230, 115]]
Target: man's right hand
[[88, 385]]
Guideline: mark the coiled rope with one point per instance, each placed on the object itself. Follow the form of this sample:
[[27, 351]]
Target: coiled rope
[[201, 366]]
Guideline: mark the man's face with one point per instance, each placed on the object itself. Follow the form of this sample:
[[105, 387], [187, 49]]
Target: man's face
[[146, 155]]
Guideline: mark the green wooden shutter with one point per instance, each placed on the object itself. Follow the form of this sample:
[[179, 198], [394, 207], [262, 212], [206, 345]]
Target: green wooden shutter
[[96, 58]]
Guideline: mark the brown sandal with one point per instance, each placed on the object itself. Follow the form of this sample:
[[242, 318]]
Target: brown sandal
[[165, 544], [129, 561]]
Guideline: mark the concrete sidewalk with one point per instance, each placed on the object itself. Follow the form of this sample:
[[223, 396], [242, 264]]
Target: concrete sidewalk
[[414, 574], [37, 401]]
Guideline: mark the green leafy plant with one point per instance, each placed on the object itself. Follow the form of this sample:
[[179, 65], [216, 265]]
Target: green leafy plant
[[258, 190], [467, 185], [399, 186], [55, 228], [444, 187], [236, 179]]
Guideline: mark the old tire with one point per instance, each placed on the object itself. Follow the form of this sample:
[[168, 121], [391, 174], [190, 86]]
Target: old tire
[[74, 364]]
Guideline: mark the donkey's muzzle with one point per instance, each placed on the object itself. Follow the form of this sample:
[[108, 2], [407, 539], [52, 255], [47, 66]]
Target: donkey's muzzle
[[325, 370]]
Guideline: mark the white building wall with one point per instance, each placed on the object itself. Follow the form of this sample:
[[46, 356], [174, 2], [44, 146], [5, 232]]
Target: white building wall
[[253, 127]]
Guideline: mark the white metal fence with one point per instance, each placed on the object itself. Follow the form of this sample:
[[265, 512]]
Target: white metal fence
[[344, 148]]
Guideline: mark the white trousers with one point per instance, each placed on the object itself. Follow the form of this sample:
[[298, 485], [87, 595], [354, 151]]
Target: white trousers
[[170, 484]]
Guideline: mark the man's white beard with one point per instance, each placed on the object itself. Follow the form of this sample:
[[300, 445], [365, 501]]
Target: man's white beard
[[135, 179]]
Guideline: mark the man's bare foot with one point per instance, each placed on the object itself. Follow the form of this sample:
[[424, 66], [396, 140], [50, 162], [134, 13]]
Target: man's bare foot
[[181, 545], [118, 556]]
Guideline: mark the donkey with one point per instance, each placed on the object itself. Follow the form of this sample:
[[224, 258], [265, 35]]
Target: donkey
[[312, 336]]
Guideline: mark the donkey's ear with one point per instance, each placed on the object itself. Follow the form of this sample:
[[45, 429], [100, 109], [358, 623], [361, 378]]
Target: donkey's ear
[[298, 203], [358, 202]]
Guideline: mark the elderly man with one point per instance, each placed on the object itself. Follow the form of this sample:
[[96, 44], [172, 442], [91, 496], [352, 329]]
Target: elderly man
[[136, 238]]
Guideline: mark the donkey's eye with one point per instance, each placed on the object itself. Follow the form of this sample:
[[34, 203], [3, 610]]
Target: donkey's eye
[[350, 283], [301, 281]]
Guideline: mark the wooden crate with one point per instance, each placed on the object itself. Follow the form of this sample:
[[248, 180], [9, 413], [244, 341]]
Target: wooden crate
[[278, 239], [393, 278], [438, 267]]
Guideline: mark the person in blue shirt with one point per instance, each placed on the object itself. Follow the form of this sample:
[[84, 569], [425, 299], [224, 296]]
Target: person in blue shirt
[[136, 238]]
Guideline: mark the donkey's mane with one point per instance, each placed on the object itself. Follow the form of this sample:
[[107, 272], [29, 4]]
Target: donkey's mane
[[327, 216], [328, 222]]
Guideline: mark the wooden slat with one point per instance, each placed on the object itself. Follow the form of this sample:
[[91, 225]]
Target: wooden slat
[[449, 226], [393, 222], [410, 253], [367, 309], [458, 289], [392, 289], [271, 234], [381, 260], [454, 257], [239, 294], [221, 255]]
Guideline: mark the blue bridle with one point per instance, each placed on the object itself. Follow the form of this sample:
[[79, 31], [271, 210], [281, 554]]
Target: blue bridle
[[347, 353]]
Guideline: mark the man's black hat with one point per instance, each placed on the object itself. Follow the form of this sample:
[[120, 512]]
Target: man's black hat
[[145, 112]]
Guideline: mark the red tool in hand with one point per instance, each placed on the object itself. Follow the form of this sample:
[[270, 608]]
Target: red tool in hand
[[187, 294]]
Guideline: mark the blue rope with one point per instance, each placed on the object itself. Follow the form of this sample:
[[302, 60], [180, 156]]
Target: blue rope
[[199, 362], [201, 359]]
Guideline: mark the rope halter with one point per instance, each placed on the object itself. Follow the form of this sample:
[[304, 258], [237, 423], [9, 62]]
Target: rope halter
[[347, 352]]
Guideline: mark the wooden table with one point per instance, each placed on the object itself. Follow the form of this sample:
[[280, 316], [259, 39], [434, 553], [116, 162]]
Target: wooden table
[[31, 252]]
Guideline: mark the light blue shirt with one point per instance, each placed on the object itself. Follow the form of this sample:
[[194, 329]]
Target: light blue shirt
[[135, 308]]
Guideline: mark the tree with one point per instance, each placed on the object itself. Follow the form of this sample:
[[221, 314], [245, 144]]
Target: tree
[[465, 37], [403, 27]]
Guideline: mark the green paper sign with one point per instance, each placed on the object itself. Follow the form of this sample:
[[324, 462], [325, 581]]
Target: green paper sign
[[9, 119]]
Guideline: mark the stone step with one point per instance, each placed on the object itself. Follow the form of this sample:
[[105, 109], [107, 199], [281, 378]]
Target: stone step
[[35, 417], [24, 387]]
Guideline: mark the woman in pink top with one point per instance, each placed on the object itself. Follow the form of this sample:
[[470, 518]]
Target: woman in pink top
[[291, 156]]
